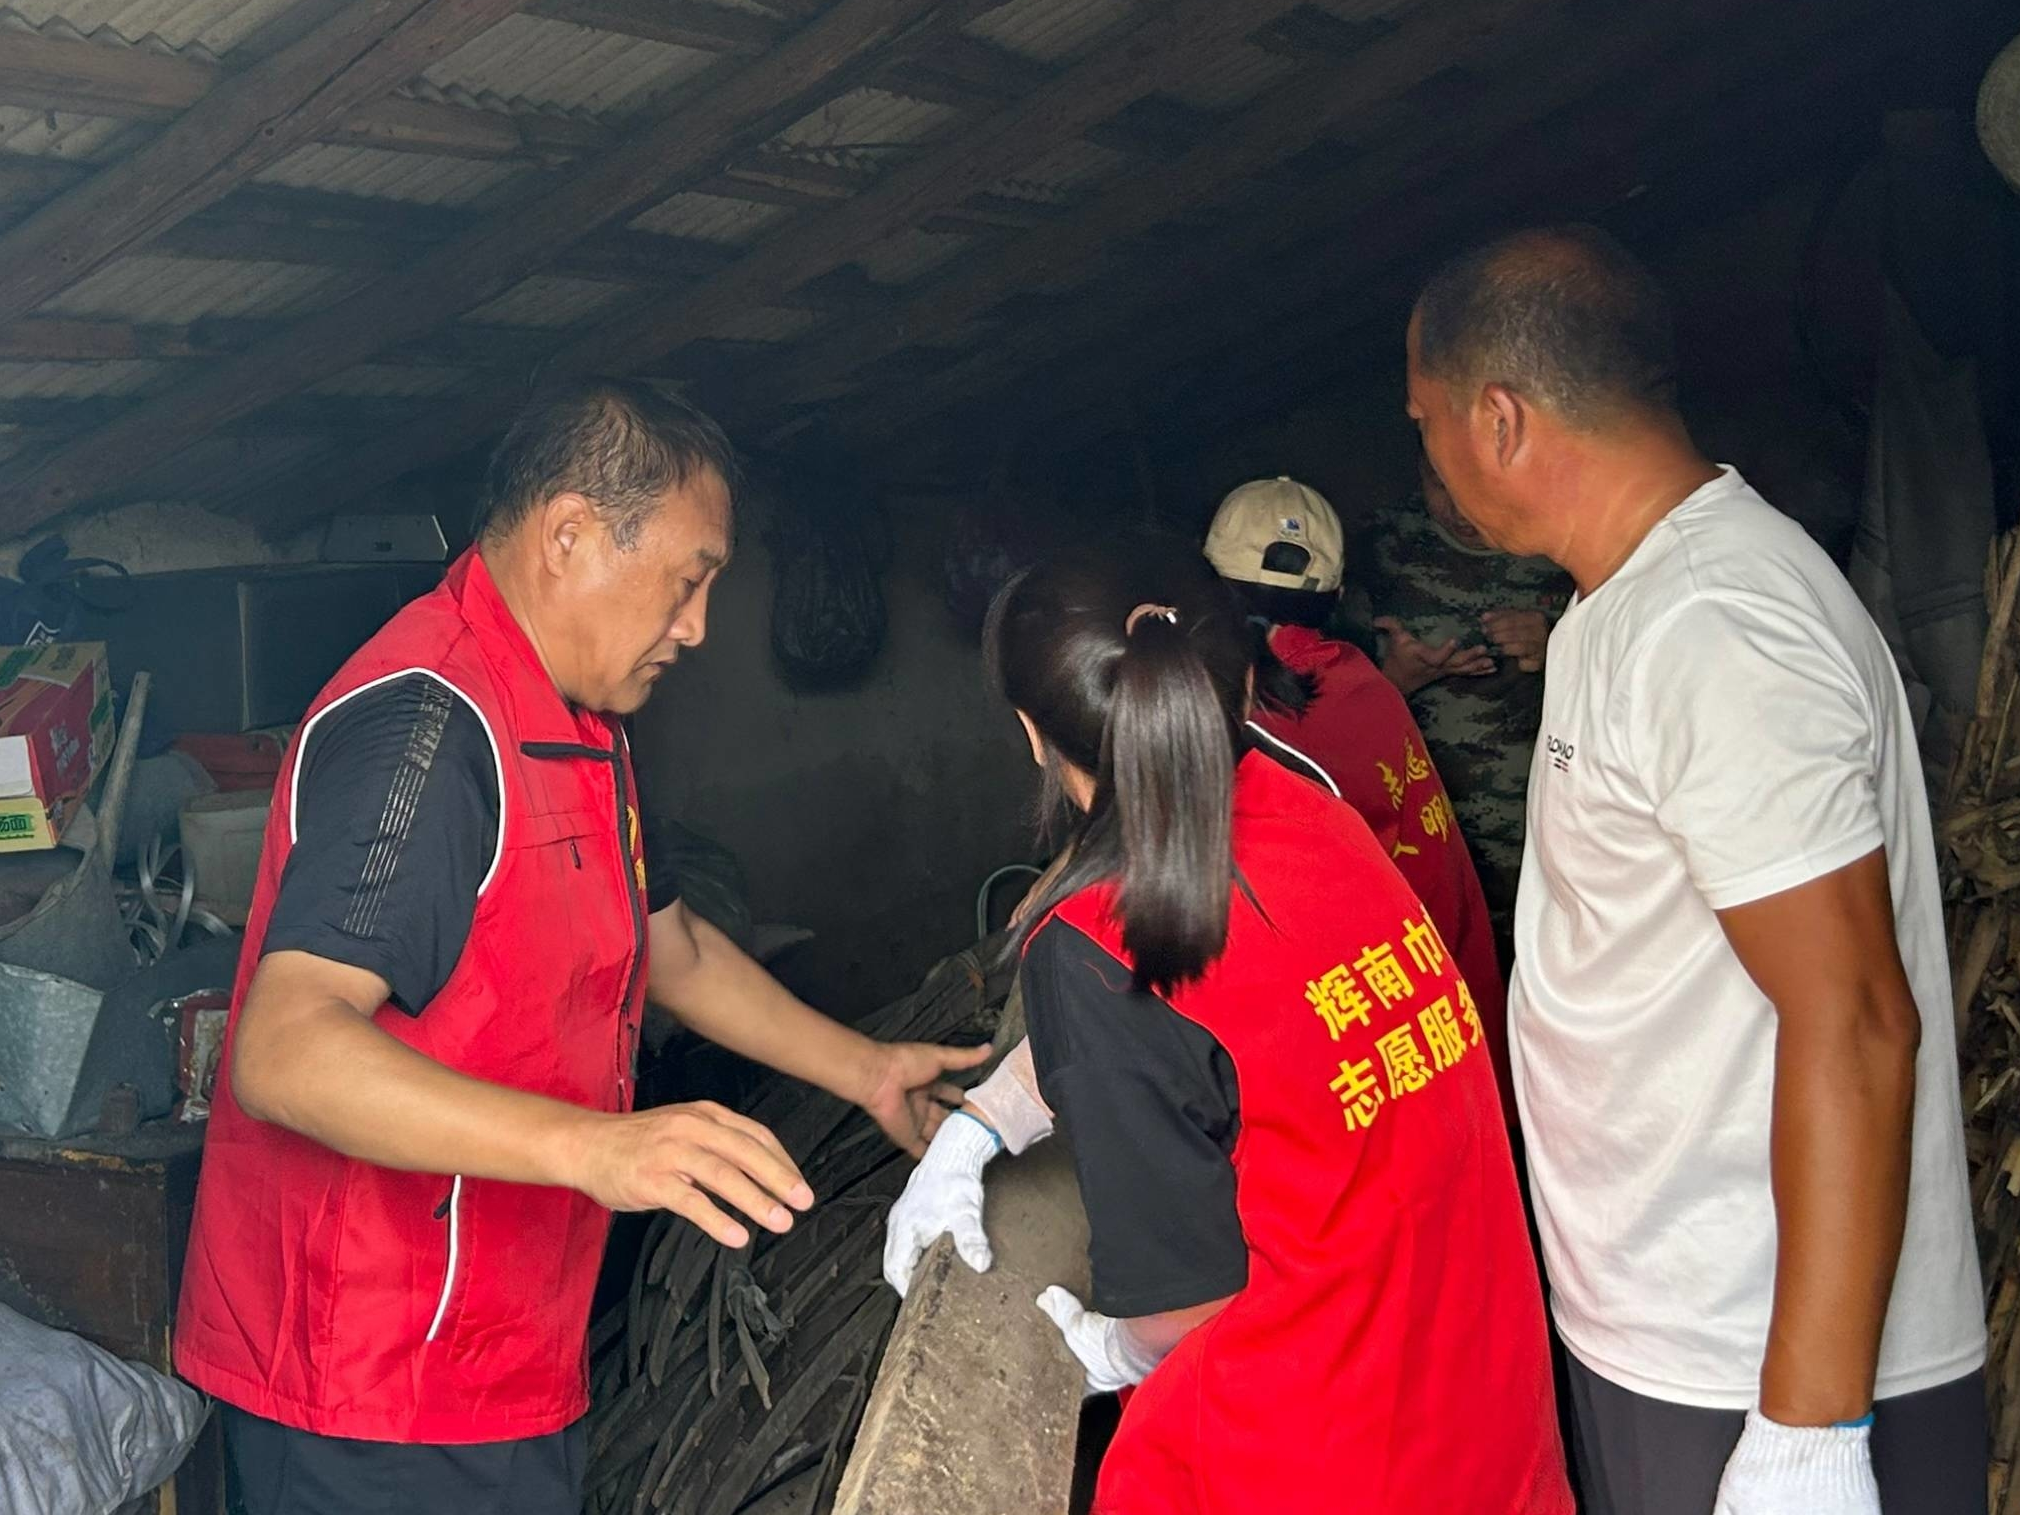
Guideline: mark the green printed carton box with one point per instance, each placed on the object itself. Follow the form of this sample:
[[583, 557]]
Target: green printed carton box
[[55, 734]]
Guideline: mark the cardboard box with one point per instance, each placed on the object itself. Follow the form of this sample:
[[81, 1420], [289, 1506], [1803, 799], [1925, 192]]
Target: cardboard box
[[55, 735]]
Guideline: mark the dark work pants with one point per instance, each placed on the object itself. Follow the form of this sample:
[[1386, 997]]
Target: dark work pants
[[1641, 1456], [282, 1471]]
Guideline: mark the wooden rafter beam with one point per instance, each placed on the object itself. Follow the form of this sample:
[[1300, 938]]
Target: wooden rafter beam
[[1247, 329], [1333, 343], [1136, 65], [1287, 119], [126, 84], [742, 108], [1114, 329], [361, 54]]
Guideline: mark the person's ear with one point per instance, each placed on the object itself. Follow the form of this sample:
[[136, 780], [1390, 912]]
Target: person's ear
[[1037, 741], [1504, 419], [563, 524]]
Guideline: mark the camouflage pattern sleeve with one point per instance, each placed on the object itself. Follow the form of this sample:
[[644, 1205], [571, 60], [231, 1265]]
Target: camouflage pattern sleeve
[[1481, 730]]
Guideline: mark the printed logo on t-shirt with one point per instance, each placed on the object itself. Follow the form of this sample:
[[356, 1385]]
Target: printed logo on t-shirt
[[1561, 753]]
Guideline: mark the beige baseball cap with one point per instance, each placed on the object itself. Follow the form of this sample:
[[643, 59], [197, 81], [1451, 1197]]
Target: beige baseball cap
[[1280, 533]]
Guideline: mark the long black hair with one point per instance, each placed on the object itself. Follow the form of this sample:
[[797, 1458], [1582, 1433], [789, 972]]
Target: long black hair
[[1134, 666]]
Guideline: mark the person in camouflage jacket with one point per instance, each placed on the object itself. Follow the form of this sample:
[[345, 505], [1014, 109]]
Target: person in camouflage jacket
[[1462, 632]]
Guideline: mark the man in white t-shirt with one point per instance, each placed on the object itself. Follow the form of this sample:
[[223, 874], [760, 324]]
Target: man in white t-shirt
[[1730, 1015]]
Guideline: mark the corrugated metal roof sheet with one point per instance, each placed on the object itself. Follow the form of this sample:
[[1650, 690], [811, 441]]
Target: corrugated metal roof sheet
[[866, 119], [765, 323], [1051, 30], [1052, 179], [712, 218], [381, 379], [173, 291], [1234, 78], [417, 178], [60, 134], [546, 300], [216, 26], [76, 381], [529, 61], [909, 255]]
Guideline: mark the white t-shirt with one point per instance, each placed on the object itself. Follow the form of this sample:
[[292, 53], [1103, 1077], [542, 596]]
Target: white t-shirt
[[1721, 722]]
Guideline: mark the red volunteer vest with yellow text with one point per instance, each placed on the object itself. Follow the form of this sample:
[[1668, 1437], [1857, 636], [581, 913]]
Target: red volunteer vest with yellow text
[[351, 1300], [1359, 730], [1388, 1353]]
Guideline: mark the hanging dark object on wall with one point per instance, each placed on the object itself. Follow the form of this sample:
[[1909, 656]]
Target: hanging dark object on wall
[[829, 549], [52, 591]]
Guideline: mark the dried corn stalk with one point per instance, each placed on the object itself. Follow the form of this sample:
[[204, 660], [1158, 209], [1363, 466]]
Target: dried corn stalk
[[727, 1375], [1981, 862]]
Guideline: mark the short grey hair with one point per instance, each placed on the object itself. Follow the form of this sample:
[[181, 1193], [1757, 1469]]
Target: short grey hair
[[618, 443]]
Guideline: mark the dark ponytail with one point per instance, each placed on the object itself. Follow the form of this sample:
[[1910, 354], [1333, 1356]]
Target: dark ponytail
[[1135, 670]]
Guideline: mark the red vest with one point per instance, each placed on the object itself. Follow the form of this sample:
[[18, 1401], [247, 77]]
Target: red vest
[[1359, 730], [354, 1301], [1388, 1353]]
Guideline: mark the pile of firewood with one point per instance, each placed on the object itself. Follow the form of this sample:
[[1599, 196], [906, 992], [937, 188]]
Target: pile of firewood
[[733, 1380], [1981, 860]]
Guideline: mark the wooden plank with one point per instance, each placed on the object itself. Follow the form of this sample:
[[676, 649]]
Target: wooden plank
[[238, 128], [976, 1402], [690, 23], [92, 79], [64, 339], [1560, 65], [496, 252], [1288, 118], [1136, 65], [68, 74], [54, 339]]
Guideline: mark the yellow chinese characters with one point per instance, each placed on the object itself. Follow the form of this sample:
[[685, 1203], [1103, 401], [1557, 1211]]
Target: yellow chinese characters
[[1402, 1061], [1384, 975], [1441, 1033], [1436, 817], [1338, 1000], [1425, 946], [1360, 1097], [1391, 781], [1471, 1013], [1427, 1039], [1416, 767]]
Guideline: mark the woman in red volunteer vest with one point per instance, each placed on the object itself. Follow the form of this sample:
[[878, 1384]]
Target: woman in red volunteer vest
[[1324, 707], [1307, 1244]]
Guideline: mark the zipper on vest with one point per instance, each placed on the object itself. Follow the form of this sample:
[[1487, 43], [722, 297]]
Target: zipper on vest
[[452, 1207], [627, 866]]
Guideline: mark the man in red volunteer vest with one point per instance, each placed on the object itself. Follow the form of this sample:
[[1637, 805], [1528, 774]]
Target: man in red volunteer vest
[[423, 1117]]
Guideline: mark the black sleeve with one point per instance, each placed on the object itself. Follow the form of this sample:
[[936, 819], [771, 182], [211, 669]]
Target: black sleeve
[[662, 871], [396, 822], [1148, 1102]]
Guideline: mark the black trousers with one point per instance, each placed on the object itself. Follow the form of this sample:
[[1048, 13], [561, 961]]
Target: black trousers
[[282, 1471], [1641, 1456]]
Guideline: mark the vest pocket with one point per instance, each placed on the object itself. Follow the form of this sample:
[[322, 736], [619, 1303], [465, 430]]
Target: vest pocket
[[449, 1211]]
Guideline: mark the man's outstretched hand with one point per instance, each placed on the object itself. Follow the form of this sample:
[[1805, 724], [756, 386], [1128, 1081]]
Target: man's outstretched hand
[[906, 1092], [1410, 663]]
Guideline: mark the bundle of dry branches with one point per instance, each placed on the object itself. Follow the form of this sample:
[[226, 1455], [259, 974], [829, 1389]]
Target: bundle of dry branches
[[727, 1376], [1981, 861]]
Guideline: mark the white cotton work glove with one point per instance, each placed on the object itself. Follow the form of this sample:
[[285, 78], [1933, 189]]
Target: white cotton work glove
[[943, 1196], [1112, 1356], [1799, 1470]]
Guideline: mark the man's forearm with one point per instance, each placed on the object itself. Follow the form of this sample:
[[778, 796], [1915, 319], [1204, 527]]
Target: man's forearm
[[1843, 1118], [718, 992], [398, 1109]]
